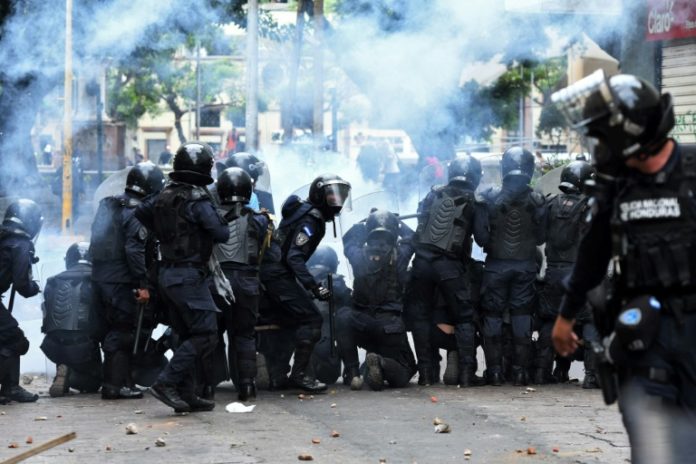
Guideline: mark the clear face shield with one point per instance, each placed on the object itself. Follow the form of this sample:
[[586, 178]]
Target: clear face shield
[[337, 195]]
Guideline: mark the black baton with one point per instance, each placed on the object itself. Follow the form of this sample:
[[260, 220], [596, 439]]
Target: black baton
[[332, 315]]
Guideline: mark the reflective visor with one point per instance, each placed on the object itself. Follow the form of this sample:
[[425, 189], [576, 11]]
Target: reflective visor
[[337, 193]]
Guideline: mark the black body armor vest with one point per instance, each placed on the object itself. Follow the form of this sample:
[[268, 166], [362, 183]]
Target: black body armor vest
[[69, 305], [512, 227], [657, 223], [567, 213], [107, 242], [448, 224], [180, 240], [243, 245], [380, 284]]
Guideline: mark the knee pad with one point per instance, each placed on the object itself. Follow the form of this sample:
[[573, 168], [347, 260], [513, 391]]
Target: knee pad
[[21, 346]]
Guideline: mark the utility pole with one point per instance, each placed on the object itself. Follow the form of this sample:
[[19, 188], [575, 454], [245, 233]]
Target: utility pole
[[252, 76], [318, 123], [198, 88], [67, 213]]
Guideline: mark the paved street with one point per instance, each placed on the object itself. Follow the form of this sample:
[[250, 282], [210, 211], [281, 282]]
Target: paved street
[[498, 425]]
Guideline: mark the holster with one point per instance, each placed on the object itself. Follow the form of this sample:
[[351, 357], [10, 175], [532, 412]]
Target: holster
[[606, 374]]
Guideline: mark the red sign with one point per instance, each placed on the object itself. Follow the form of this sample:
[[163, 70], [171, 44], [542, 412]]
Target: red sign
[[671, 19]]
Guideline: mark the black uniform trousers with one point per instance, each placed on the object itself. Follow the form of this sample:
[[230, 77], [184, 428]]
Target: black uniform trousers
[[13, 344], [509, 288], [240, 321], [193, 314], [380, 332], [448, 277], [121, 314]]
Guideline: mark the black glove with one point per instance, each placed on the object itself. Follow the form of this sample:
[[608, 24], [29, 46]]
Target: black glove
[[321, 293]]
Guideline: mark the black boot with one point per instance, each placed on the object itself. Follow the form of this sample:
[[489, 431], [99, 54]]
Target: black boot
[[425, 375], [18, 394], [451, 375], [435, 375], [299, 376], [523, 352], [465, 335], [542, 376], [246, 390], [590, 380], [374, 376], [560, 372], [169, 395], [493, 350], [196, 404]]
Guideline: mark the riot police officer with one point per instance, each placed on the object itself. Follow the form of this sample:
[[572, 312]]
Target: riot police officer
[[261, 197], [250, 234], [21, 224], [515, 226], [442, 242], [565, 218], [184, 220], [284, 272], [325, 365], [379, 251], [643, 225], [119, 272], [72, 325]]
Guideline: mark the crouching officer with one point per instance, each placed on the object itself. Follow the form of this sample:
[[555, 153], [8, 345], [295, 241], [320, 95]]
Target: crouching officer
[[285, 276], [239, 259], [20, 226], [379, 261], [184, 220], [643, 224], [71, 325], [119, 272]]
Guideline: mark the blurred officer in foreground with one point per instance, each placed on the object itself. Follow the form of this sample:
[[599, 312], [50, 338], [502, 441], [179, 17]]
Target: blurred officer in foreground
[[184, 220], [643, 225], [71, 325], [20, 227]]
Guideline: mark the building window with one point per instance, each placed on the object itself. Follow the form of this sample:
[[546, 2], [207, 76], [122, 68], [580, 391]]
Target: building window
[[210, 117]]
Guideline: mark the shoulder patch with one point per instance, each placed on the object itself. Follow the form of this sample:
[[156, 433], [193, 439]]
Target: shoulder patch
[[142, 234], [301, 239]]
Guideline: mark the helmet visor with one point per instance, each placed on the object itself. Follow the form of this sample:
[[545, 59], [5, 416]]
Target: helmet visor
[[336, 194], [586, 101]]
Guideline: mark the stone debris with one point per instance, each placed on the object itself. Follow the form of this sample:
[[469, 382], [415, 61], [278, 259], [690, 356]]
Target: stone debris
[[71, 450], [555, 449], [29, 440], [531, 390], [433, 399], [138, 411], [442, 428], [301, 396], [438, 421], [316, 441], [335, 434], [14, 444], [305, 457], [41, 418], [392, 442], [160, 442], [531, 450], [333, 405], [131, 429], [27, 379], [382, 461], [108, 448], [467, 452]]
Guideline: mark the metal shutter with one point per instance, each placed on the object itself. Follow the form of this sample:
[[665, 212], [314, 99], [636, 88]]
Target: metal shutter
[[679, 79]]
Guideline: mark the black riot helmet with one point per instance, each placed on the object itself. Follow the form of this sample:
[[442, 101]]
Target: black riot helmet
[[324, 256], [517, 162], [248, 162], [144, 179], [574, 175], [193, 163], [23, 216], [234, 186], [382, 225], [621, 116], [78, 253], [328, 193], [465, 170]]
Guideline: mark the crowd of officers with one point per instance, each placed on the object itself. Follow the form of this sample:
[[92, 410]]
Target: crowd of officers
[[206, 262]]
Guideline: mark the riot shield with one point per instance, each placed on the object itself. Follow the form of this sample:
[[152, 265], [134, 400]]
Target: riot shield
[[548, 183], [492, 176], [361, 207]]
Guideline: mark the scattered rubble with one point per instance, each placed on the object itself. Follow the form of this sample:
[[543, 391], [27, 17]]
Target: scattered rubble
[[442, 428], [305, 457], [335, 434], [131, 429], [160, 442], [531, 450]]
